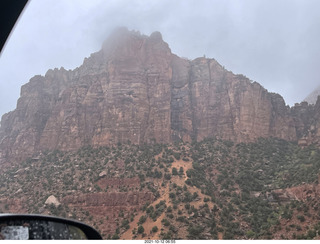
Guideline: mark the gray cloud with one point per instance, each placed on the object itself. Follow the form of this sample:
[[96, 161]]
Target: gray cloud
[[274, 42]]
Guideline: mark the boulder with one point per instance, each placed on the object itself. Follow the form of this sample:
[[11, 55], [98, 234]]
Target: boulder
[[52, 200]]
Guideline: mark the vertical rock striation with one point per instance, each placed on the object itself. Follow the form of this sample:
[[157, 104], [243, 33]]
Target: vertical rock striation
[[134, 89]]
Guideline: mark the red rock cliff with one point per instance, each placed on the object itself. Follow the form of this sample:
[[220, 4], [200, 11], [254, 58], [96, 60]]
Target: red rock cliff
[[135, 89]]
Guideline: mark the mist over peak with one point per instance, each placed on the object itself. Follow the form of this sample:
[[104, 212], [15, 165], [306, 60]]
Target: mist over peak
[[136, 89]]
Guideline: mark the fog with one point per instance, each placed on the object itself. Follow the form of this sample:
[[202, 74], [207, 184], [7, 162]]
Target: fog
[[273, 42]]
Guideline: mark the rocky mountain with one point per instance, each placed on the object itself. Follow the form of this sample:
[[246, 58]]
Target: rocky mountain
[[142, 144], [135, 89], [313, 96]]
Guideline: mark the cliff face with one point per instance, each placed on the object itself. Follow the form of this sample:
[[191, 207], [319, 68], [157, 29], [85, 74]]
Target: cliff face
[[307, 120], [135, 89]]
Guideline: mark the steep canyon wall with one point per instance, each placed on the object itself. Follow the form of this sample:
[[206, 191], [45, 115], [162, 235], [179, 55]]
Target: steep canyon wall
[[134, 89]]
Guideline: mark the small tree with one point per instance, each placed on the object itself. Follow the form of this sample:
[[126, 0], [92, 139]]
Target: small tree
[[140, 229], [311, 234], [301, 218], [154, 229], [167, 176], [165, 222], [181, 171], [115, 237], [172, 195], [174, 171], [142, 219], [195, 231]]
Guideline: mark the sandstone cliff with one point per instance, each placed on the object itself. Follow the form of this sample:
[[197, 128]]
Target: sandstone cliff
[[134, 89]]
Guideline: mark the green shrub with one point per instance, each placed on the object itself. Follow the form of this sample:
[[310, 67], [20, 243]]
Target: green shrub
[[174, 171], [301, 218], [154, 229], [140, 229], [142, 219], [165, 222]]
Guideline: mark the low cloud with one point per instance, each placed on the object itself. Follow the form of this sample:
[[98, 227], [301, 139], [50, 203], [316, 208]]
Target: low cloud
[[274, 42]]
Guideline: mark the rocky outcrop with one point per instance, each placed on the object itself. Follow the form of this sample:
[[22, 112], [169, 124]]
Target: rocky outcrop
[[134, 89], [118, 182], [52, 200], [109, 199], [307, 122], [299, 193]]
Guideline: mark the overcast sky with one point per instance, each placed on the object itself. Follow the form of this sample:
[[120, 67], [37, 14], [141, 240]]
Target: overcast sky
[[273, 42]]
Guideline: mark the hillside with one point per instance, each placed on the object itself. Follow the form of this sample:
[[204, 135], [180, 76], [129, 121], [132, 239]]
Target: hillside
[[136, 89], [211, 189], [143, 144]]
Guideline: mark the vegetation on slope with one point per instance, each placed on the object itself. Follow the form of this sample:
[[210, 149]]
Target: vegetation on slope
[[211, 189]]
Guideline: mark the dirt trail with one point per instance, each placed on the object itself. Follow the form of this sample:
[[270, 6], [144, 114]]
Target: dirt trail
[[164, 196]]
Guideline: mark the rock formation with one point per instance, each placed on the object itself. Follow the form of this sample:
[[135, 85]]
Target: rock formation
[[134, 89], [52, 200], [110, 199]]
